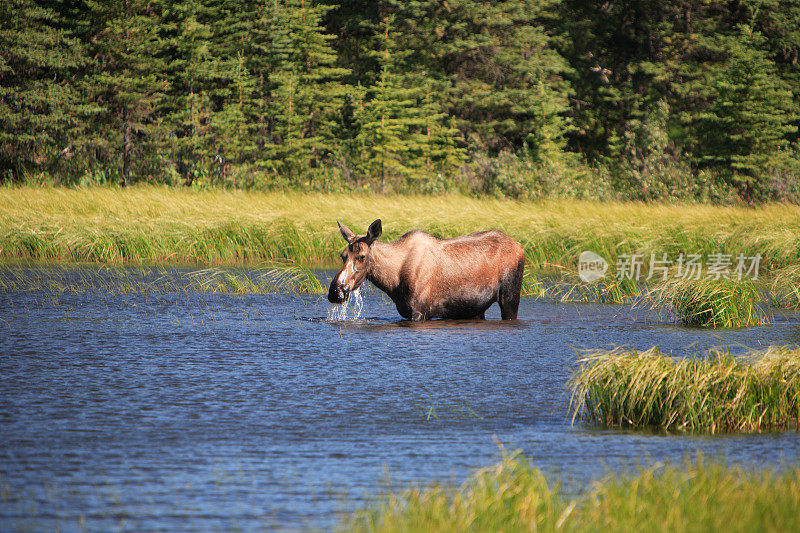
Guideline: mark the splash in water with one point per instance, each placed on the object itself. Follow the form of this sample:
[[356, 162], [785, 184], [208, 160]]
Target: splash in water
[[349, 310]]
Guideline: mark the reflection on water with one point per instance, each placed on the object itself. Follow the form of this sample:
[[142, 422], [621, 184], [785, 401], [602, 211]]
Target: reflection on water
[[184, 410]]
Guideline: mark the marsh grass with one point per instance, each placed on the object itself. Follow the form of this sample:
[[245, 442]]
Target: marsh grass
[[509, 496], [533, 285], [158, 280], [714, 393], [513, 496], [708, 302], [784, 288], [157, 225], [608, 290]]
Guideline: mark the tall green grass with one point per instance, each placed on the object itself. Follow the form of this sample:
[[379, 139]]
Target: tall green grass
[[715, 393], [155, 225], [708, 302], [513, 496], [784, 288], [568, 287], [158, 280]]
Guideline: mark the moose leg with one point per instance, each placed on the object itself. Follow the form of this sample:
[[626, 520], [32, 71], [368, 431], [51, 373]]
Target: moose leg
[[510, 289], [509, 305]]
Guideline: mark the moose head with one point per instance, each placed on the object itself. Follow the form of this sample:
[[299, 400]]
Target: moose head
[[356, 262]]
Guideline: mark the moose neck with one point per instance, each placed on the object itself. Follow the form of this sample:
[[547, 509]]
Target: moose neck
[[384, 270]]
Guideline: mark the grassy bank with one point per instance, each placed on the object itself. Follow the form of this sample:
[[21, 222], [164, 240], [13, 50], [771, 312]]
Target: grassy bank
[[513, 496], [714, 393], [155, 225]]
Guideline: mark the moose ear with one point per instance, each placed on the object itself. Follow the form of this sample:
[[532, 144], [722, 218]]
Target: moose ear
[[345, 231], [374, 232]]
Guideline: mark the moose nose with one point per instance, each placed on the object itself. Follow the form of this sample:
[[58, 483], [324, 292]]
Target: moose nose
[[336, 293]]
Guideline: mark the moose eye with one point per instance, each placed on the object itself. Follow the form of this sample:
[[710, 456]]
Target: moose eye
[[362, 257]]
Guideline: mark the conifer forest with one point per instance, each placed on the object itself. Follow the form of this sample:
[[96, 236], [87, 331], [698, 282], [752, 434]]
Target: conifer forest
[[637, 100]]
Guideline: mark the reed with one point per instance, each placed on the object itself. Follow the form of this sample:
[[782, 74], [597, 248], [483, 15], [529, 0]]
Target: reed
[[708, 302], [513, 496], [608, 290], [714, 393], [157, 225], [107, 280], [509, 496], [784, 288]]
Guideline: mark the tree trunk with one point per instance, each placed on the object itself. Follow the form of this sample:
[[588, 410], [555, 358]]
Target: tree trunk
[[126, 150]]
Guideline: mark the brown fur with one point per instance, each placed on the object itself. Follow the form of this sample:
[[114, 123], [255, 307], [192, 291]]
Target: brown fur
[[428, 277]]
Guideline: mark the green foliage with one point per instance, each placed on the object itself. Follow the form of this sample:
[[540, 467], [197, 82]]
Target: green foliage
[[708, 302], [712, 393], [391, 122], [407, 139], [307, 94], [639, 100], [721, 71], [190, 107], [747, 120], [128, 81], [42, 114], [514, 496]]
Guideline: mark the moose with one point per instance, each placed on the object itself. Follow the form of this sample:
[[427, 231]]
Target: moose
[[427, 277]]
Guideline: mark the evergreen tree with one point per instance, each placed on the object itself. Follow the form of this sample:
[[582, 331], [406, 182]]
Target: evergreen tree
[[348, 157], [747, 119], [129, 80], [307, 95], [191, 71], [261, 62], [42, 117], [234, 142], [392, 122], [623, 56], [442, 153], [494, 65]]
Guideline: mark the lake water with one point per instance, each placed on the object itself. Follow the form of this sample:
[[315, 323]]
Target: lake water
[[192, 411]]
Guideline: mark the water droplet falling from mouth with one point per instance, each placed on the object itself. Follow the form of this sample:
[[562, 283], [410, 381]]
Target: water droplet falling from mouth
[[350, 309]]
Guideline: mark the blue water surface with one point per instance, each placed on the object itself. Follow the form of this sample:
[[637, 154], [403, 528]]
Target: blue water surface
[[195, 411]]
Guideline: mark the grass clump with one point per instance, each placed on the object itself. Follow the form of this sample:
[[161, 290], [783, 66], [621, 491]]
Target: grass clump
[[607, 290], [708, 302], [513, 496], [715, 393], [509, 496], [785, 287]]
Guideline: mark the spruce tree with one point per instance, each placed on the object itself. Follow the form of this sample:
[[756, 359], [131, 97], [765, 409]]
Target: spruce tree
[[306, 95], [748, 116], [191, 71], [129, 79], [494, 66], [231, 124], [391, 131], [42, 117], [442, 150]]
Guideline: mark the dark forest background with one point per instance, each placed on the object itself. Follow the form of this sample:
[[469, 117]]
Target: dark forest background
[[692, 99]]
